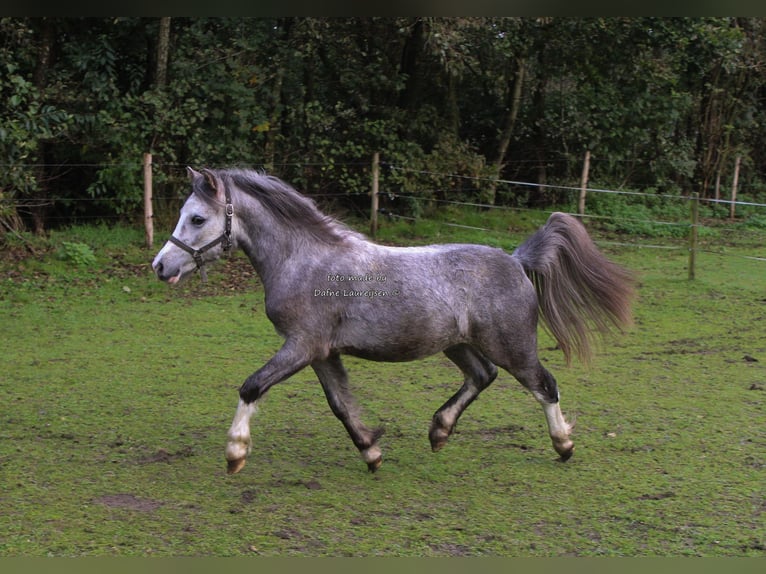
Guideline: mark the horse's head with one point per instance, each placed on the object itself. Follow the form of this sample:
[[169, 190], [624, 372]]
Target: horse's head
[[203, 231]]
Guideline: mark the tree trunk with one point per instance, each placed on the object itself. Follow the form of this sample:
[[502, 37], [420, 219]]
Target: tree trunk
[[39, 205], [163, 44], [44, 53], [276, 95], [515, 86], [411, 57], [514, 105], [452, 109], [540, 132]]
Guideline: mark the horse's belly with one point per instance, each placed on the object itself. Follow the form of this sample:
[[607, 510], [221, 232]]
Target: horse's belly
[[403, 344], [405, 327], [393, 354]]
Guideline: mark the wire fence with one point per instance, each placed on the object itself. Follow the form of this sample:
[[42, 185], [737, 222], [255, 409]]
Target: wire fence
[[440, 196], [758, 235], [637, 244]]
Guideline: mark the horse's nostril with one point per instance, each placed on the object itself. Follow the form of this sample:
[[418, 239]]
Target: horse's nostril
[[158, 269]]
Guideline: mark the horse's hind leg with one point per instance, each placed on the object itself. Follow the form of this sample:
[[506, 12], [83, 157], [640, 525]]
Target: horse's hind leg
[[544, 388], [332, 375], [479, 373]]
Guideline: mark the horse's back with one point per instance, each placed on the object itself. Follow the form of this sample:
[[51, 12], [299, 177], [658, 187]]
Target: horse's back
[[480, 271]]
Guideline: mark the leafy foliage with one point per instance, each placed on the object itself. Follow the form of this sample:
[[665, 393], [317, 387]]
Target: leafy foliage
[[27, 120], [662, 103], [77, 253]]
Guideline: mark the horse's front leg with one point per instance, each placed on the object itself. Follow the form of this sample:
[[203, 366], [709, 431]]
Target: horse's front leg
[[290, 359], [332, 375], [239, 443]]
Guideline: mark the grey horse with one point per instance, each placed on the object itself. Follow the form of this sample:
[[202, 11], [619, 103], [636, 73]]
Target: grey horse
[[330, 291]]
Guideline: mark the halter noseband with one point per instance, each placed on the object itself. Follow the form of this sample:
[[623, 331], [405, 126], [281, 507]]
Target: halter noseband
[[224, 238]]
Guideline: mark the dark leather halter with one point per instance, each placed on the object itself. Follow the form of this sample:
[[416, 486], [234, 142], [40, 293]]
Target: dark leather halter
[[224, 238]]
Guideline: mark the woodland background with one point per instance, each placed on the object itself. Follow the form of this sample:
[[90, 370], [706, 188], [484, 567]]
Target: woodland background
[[664, 105]]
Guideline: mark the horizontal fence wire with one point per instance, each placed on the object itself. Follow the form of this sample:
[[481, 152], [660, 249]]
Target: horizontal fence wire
[[574, 188], [600, 242], [634, 245], [25, 204]]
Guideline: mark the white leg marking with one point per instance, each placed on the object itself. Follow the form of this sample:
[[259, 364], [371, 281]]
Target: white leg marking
[[449, 415], [558, 428], [371, 454], [238, 445], [557, 425]]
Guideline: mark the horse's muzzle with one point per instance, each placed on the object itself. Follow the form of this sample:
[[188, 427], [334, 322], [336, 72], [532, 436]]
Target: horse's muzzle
[[164, 273]]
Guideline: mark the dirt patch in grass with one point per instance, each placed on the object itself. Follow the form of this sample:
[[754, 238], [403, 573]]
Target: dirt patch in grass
[[129, 502], [161, 455]]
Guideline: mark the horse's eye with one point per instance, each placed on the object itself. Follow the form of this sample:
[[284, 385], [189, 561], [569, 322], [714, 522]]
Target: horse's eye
[[197, 220]]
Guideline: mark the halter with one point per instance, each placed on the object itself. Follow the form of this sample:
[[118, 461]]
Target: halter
[[224, 238]]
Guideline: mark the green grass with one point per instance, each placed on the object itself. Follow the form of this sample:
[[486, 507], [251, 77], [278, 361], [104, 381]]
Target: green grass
[[117, 392]]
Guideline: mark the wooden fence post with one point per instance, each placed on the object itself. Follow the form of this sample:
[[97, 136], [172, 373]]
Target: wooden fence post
[[374, 194], [148, 212], [694, 209], [734, 184], [584, 184]]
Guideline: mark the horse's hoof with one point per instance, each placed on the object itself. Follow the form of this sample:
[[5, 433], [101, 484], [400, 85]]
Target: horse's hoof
[[374, 465], [234, 466], [438, 435], [438, 444], [566, 455]]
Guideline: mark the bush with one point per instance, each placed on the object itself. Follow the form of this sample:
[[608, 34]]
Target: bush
[[77, 253]]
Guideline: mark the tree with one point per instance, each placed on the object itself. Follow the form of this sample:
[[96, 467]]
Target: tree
[[662, 103], [729, 75], [27, 121]]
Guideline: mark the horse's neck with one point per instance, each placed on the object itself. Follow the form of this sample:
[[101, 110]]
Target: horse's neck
[[276, 252], [267, 257]]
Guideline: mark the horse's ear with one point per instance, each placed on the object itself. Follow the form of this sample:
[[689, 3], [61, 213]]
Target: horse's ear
[[214, 182], [193, 174]]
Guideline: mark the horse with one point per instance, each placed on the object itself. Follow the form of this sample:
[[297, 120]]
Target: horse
[[330, 291]]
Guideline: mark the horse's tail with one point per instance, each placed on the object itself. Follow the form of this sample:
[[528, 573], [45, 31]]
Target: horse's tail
[[580, 292]]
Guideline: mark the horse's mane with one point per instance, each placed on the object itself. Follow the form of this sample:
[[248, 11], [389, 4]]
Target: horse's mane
[[287, 206]]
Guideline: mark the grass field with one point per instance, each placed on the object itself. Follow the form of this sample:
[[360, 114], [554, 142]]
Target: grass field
[[116, 393]]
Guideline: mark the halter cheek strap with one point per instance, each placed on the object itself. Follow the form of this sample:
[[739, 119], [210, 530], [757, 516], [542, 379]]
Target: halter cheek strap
[[224, 238]]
